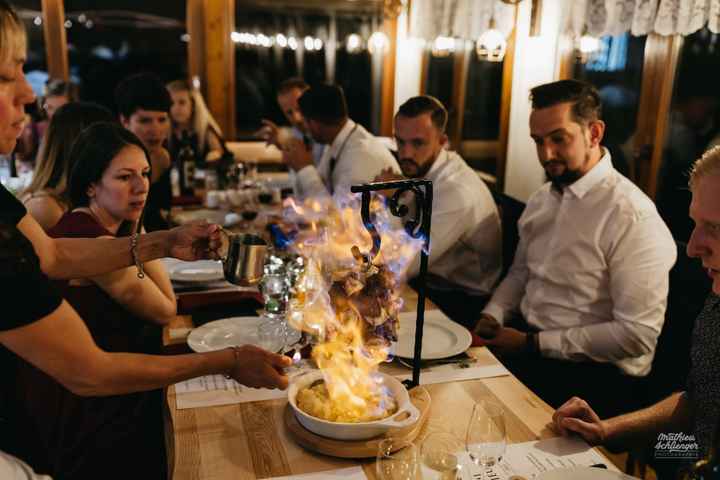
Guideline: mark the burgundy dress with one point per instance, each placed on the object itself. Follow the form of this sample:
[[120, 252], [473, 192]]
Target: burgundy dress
[[72, 437]]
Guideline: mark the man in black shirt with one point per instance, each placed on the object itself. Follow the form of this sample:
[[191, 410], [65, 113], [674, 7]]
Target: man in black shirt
[[695, 411]]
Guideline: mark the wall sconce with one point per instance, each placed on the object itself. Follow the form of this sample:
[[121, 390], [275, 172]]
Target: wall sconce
[[491, 45]]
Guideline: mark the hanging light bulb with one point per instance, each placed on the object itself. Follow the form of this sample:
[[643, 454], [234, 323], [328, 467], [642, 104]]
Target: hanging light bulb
[[491, 45], [443, 46], [309, 44], [378, 43], [292, 43], [586, 46], [318, 44], [281, 40], [353, 43], [236, 37]]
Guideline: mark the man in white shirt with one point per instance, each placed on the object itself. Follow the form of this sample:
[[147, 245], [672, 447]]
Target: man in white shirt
[[590, 275], [465, 237], [352, 156], [288, 94]]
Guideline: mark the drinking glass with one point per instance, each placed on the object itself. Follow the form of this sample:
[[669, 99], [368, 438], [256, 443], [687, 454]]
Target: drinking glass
[[486, 439], [440, 456], [397, 460]]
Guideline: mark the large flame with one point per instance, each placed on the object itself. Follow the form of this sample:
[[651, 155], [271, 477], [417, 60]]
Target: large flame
[[349, 301]]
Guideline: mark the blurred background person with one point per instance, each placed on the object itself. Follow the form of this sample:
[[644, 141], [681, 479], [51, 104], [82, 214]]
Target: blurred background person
[[190, 116], [143, 103], [60, 432], [46, 198]]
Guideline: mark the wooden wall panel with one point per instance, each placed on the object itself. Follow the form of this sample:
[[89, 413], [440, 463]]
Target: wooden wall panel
[[55, 39]]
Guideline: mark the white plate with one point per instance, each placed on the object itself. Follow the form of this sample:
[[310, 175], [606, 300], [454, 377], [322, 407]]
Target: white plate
[[199, 271], [583, 473], [442, 337], [228, 332]]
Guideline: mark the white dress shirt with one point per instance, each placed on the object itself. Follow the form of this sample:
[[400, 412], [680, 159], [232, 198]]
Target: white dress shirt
[[591, 271], [359, 158], [317, 151], [465, 233]]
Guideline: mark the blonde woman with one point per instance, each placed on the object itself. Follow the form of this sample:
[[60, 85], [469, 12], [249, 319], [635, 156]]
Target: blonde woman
[[190, 116], [46, 197]]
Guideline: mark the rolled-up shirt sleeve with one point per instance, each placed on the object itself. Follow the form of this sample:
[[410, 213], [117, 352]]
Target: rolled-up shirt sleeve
[[639, 261]]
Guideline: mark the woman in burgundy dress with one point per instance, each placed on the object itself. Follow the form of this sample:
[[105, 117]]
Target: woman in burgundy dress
[[119, 436]]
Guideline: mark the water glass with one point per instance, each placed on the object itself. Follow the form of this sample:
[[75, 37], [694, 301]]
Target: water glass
[[486, 438], [440, 454], [397, 460]]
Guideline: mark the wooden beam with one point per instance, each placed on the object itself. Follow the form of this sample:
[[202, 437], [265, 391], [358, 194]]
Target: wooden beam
[[506, 100], [660, 64], [536, 18], [55, 39], [461, 66], [387, 110], [211, 57]]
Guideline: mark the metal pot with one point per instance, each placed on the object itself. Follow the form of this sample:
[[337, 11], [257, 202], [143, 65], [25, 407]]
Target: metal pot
[[243, 264], [360, 430]]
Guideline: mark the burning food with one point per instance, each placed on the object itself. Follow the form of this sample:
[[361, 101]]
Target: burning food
[[315, 400]]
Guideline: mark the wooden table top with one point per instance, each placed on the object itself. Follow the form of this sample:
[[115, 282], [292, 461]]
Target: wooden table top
[[249, 440]]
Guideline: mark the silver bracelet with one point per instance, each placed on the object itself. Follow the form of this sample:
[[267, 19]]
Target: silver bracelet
[[136, 260]]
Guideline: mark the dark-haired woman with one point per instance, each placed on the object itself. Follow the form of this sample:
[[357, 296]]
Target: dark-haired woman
[[108, 188]]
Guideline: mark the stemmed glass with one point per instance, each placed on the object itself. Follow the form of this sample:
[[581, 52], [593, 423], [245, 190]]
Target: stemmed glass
[[486, 438], [397, 460], [440, 452]]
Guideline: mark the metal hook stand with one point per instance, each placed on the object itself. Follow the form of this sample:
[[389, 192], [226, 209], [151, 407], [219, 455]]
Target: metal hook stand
[[417, 227]]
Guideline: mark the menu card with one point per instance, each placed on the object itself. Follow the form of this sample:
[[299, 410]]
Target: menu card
[[525, 461], [352, 473]]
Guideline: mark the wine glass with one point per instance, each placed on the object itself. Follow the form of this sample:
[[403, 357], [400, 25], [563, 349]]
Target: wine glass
[[440, 456], [397, 460], [486, 439]]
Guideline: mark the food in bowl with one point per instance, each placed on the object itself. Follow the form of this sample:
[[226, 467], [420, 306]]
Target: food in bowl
[[315, 400]]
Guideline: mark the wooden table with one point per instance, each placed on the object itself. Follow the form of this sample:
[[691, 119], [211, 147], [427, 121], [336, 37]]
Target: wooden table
[[249, 440]]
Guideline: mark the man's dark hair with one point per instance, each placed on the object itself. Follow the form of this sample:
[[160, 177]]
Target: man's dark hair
[[422, 104], [325, 104], [141, 91], [57, 87], [585, 99], [292, 83]]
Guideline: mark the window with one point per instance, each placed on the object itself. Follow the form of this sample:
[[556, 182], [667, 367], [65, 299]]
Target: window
[[108, 41]]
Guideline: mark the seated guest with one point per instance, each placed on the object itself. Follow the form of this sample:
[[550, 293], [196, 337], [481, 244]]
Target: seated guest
[[353, 155], [144, 105], [73, 436], [46, 198], [465, 239], [288, 94], [696, 410], [590, 275], [190, 116]]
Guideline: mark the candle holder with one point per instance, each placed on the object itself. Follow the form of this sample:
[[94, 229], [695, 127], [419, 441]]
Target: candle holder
[[416, 227]]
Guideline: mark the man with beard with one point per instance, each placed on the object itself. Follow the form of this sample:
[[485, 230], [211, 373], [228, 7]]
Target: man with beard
[[288, 94], [584, 302], [465, 238], [352, 155]]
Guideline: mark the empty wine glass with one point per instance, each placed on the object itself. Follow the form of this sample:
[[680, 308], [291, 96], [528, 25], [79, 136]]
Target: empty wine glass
[[440, 456], [486, 439], [397, 460]]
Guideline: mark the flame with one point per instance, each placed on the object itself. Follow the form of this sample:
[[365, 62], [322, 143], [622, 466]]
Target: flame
[[349, 304]]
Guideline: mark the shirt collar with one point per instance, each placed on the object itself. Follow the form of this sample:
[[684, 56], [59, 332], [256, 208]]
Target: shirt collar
[[593, 177], [441, 158], [341, 136]]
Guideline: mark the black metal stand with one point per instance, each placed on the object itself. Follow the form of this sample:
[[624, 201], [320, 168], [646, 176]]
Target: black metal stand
[[418, 227]]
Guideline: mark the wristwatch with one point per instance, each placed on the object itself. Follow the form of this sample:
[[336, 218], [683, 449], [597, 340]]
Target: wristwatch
[[532, 344]]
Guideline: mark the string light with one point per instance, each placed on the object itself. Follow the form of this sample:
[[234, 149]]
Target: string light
[[37, 21], [443, 46], [378, 43], [353, 43], [292, 43], [491, 45]]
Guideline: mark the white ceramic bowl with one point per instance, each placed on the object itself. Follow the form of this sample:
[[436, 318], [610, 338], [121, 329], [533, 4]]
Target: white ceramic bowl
[[359, 430]]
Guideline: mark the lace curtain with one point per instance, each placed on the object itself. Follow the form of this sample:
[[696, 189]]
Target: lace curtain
[[466, 19], [640, 17]]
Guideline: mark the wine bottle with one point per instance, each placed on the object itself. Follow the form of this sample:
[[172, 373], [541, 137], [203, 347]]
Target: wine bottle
[[186, 161]]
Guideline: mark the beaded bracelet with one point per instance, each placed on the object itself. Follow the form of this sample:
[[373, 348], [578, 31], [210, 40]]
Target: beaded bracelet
[[236, 354], [136, 260]]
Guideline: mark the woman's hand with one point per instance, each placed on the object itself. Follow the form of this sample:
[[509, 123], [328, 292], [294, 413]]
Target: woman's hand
[[195, 241], [258, 368]]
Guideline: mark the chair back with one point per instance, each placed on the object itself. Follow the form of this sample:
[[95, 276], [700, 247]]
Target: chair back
[[510, 211]]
